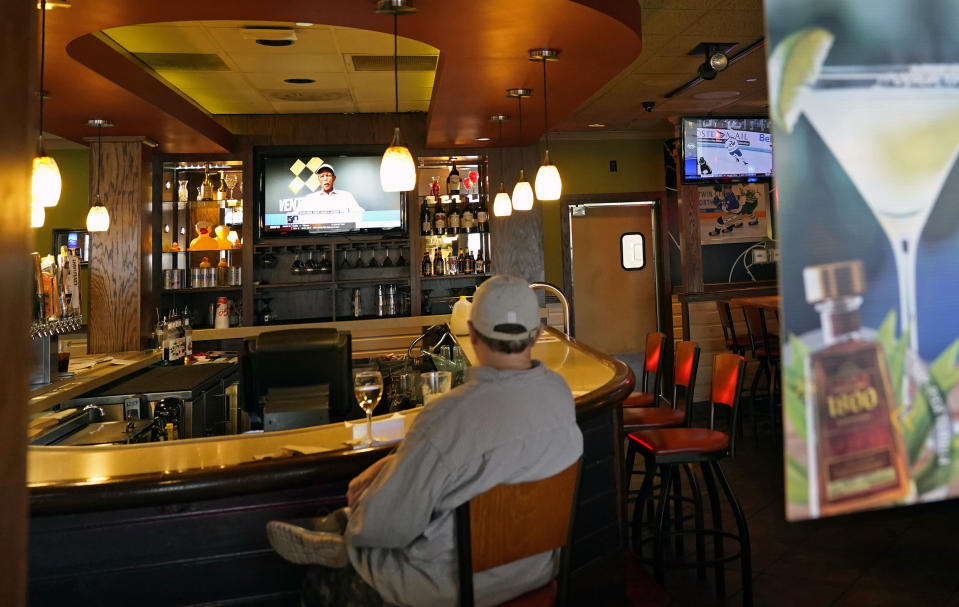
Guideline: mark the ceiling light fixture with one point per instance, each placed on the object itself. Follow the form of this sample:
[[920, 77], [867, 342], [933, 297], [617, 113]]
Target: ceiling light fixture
[[596, 125], [46, 183], [522, 191], [52, 4], [299, 80], [397, 169], [269, 42], [502, 206], [484, 139], [98, 217], [549, 185]]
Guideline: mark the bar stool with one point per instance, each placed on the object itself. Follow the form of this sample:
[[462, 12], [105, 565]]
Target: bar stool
[[685, 368], [737, 344], [648, 392], [765, 349], [667, 448]]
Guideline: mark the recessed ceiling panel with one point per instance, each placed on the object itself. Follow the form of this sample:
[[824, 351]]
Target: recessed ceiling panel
[[227, 81], [275, 80], [281, 59], [173, 38]]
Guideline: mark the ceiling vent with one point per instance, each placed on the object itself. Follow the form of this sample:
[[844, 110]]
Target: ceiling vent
[[311, 96], [404, 63], [190, 62]]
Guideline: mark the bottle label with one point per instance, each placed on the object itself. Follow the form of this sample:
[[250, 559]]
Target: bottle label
[[859, 444], [467, 221], [482, 217], [454, 221], [453, 184], [440, 221], [426, 226]]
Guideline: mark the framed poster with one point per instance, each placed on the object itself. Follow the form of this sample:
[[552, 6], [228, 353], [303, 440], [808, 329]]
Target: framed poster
[[733, 212]]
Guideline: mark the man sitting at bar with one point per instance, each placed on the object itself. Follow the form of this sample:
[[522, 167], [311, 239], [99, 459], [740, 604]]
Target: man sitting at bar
[[513, 421]]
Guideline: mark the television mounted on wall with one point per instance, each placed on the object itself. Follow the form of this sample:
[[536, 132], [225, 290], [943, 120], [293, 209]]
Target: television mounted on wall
[[307, 191], [726, 148]]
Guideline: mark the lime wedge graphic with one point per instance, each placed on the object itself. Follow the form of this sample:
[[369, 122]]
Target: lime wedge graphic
[[795, 61]]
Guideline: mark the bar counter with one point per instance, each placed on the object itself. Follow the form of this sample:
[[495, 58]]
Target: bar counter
[[165, 507]]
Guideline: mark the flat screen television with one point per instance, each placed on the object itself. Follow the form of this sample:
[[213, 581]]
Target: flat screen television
[[730, 148], [296, 196]]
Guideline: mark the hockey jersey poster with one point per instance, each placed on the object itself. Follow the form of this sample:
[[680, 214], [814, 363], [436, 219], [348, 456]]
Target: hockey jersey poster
[[733, 212], [865, 108]]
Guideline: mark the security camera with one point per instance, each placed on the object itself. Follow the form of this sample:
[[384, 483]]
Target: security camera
[[649, 105]]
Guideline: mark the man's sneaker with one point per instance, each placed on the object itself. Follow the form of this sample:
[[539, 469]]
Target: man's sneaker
[[304, 547], [754, 222], [714, 232]]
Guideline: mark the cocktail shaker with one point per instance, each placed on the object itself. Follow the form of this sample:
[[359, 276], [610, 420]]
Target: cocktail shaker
[[357, 307], [380, 300]]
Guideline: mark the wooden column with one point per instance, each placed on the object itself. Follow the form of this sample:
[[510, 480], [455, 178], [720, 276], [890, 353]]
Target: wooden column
[[118, 276], [18, 46], [517, 240], [690, 248]]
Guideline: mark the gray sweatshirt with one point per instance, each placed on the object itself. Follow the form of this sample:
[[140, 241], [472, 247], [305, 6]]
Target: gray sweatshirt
[[501, 426]]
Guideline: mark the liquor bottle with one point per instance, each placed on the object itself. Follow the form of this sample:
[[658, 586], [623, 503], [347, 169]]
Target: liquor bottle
[[461, 263], [468, 219], [187, 334], [470, 263], [453, 221], [221, 192], [453, 181], [855, 449], [435, 188], [482, 216], [480, 264], [451, 265], [439, 219], [426, 219], [206, 188], [164, 339], [438, 266], [427, 265]]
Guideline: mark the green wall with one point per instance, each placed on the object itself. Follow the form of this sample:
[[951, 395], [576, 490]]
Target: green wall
[[584, 167], [71, 211]]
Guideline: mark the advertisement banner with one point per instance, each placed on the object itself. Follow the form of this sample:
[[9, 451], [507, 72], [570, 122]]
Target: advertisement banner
[[865, 108]]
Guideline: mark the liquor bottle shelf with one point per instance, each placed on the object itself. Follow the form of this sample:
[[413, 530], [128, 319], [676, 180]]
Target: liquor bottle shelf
[[453, 277], [204, 289], [294, 285]]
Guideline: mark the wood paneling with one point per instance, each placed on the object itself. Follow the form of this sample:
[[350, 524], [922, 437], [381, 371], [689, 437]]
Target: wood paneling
[[18, 43], [115, 255], [690, 249], [517, 240]]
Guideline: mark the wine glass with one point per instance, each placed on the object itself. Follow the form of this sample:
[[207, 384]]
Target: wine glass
[[230, 180], [359, 256], [297, 267], [344, 261], [311, 267], [373, 263], [387, 262], [400, 261], [325, 266], [368, 388]]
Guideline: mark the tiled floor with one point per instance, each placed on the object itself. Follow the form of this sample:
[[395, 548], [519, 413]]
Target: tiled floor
[[905, 556]]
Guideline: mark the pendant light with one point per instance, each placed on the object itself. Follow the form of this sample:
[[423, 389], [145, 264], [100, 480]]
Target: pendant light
[[502, 206], [98, 218], [37, 216], [46, 182], [549, 186], [397, 169], [522, 191]]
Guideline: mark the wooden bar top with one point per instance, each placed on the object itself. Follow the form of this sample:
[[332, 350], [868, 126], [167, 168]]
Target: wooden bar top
[[84, 381], [766, 302], [370, 325], [76, 477]]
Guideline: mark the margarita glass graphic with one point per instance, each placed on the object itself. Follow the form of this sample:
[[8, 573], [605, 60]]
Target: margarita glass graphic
[[895, 132]]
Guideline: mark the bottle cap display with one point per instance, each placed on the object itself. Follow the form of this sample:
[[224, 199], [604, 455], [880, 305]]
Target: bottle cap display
[[832, 280]]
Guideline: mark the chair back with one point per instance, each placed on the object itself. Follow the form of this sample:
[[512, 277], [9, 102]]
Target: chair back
[[729, 327], [512, 522], [756, 326], [685, 367], [724, 390], [653, 363]]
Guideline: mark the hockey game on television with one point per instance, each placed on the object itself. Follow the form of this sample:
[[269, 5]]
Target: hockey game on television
[[726, 148]]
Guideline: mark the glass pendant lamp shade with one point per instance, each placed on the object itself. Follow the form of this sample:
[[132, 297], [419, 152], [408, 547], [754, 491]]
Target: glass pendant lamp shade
[[46, 182], [98, 218], [549, 185], [502, 206], [397, 169], [522, 194], [37, 216]]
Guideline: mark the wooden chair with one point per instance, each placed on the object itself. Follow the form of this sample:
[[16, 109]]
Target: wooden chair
[[737, 344], [513, 522], [648, 393], [765, 349]]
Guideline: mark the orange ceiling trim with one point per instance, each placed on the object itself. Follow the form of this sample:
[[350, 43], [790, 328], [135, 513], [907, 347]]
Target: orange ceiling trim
[[483, 50]]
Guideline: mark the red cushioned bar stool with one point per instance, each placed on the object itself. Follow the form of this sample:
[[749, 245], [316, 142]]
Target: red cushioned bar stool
[[685, 367], [765, 349], [666, 448], [648, 393]]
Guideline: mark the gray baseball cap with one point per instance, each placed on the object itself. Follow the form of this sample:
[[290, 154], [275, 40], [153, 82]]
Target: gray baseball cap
[[505, 308], [326, 167]]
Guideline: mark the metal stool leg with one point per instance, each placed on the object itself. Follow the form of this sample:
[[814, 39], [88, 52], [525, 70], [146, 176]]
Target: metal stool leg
[[745, 554], [659, 560], [678, 512], [645, 495], [717, 526], [700, 524]]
